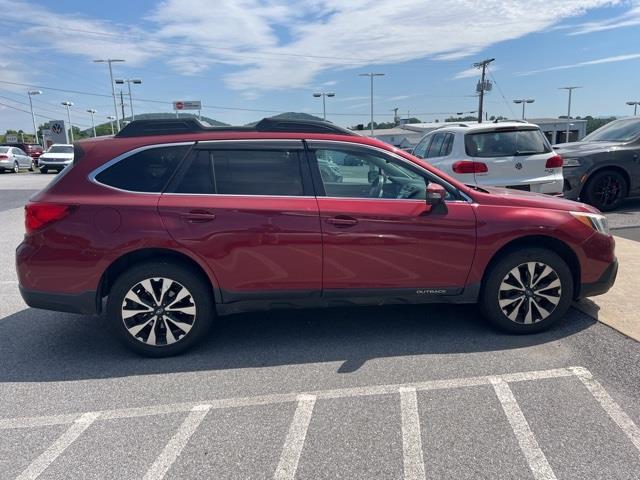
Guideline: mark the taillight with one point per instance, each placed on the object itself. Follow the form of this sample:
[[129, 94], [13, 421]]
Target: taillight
[[467, 166], [554, 162], [4, 157], [37, 215]]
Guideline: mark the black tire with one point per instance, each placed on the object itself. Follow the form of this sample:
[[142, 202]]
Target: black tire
[[32, 167], [492, 294], [605, 190], [43, 170], [16, 167], [157, 344]]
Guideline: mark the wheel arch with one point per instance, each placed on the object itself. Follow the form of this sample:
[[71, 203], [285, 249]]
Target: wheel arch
[[540, 241], [612, 167], [129, 259]]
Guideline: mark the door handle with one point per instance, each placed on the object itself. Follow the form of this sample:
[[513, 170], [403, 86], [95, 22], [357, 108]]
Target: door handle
[[199, 216], [342, 221]]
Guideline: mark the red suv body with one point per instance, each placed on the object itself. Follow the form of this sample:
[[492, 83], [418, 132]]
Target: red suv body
[[245, 219]]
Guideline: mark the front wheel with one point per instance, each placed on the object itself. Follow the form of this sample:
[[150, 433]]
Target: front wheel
[[527, 291], [160, 309], [16, 167], [32, 166]]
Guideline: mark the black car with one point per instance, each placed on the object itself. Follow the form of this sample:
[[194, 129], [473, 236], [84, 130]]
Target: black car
[[604, 167]]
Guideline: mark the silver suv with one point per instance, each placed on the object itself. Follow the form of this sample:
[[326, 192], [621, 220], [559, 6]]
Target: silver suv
[[510, 154]]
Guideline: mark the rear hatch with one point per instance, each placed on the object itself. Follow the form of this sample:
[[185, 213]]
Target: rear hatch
[[515, 157]]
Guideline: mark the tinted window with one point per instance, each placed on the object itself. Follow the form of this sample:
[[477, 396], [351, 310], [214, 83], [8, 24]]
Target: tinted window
[[145, 171], [421, 148], [198, 178], [616, 131], [447, 146], [506, 143], [436, 145]]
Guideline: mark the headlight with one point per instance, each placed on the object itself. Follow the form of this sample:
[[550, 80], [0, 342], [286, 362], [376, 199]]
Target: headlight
[[593, 220], [571, 162]]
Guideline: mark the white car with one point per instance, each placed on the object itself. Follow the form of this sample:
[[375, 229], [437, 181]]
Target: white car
[[58, 156], [508, 154], [12, 159]]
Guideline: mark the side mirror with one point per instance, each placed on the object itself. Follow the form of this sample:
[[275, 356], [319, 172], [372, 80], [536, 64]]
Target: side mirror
[[435, 194]]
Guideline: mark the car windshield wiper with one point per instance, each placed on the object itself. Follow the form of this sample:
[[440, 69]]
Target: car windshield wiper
[[526, 152]]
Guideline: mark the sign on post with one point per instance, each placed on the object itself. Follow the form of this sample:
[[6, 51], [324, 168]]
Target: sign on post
[[179, 105], [11, 138], [59, 133]]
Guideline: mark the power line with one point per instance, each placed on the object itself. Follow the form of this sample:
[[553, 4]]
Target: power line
[[502, 94]]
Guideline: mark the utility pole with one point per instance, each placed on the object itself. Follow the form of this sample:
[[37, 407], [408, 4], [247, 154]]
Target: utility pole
[[122, 105], [482, 87], [113, 88], [570, 89], [371, 75]]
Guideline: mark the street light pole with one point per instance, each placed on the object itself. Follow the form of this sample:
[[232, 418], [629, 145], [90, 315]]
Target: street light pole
[[69, 104], [324, 105], [136, 81], [371, 75], [93, 124], [111, 118], [523, 101], [113, 90], [30, 93], [635, 107], [570, 89]]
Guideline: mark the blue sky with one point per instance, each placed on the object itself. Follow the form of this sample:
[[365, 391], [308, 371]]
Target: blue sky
[[254, 57]]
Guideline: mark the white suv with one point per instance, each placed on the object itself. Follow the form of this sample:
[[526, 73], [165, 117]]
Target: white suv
[[509, 154]]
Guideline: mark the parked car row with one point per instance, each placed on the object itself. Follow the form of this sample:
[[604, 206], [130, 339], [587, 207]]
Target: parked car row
[[603, 169], [14, 159]]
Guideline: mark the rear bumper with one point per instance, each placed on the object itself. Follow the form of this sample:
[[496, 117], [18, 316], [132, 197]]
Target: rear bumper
[[84, 303], [603, 284]]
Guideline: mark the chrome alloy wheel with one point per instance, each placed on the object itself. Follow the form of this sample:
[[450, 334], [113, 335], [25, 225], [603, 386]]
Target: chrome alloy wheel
[[158, 311], [529, 293]]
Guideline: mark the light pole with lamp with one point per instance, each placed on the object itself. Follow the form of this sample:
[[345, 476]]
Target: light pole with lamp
[[570, 89], [635, 107], [113, 90], [523, 101], [324, 106], [69, 104], [111, 118], [371, 75], [31, 93], [129, 81], [93, 123]]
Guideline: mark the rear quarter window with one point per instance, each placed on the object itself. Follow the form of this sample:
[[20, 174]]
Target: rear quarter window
[[146, 171]]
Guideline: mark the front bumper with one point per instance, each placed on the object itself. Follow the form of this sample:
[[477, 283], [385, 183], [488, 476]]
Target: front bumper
[[572, 182], [84, 303], [603, 284], [50, 164]]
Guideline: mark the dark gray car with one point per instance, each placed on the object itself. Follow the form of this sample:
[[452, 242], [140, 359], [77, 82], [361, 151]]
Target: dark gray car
[[604, 168]]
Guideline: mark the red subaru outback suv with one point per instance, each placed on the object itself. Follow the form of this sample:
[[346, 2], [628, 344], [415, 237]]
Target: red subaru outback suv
[[172, 223]]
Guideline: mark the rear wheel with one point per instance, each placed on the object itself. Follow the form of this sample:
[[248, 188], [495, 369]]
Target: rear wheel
[[527, 291], [160, 309], [606, 190]]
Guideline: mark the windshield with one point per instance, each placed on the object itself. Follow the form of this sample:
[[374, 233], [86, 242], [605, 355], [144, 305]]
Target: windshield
[[616, 131], [60, 149], [506, 143]]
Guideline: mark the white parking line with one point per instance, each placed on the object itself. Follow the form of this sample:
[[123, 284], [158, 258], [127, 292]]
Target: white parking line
[[294, 442], [237, 402], [528, 444], [173, 449], [609, 405], [41, 463], [411, 441]]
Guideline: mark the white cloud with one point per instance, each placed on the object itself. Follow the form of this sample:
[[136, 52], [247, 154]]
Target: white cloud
[[613, 59], [630, 18], [279, 44]]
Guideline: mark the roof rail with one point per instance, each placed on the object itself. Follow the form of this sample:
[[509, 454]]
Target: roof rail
[[507, 120], [169, 126]]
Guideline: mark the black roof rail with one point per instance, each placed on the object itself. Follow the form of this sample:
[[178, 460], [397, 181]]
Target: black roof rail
[[169, 126]]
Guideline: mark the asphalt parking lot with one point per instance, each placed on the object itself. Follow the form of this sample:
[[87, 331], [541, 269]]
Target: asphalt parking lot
[[374, 393]]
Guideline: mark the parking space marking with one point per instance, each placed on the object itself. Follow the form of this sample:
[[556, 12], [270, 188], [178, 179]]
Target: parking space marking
[[528, 444], [41, 463], [236, 402], [293, 444], [411, 440], [609, 405], [174, 447]]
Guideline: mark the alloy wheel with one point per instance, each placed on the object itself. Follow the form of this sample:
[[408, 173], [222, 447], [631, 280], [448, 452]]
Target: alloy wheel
[[16, 167], [529, 293], [608, 190], [158, 311]]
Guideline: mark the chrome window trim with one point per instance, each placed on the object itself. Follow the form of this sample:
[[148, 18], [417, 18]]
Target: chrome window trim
[[92, 175], [397, 157]]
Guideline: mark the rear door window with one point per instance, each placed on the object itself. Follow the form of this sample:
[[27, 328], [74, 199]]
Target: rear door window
[[436, 145], [506, 143], [146, 171], [421, 149]]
